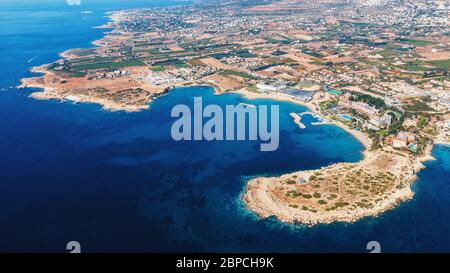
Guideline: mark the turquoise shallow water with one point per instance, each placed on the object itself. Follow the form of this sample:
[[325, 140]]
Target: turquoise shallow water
[[117, 182]]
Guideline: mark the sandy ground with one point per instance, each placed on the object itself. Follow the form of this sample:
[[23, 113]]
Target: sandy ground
[[427, 52], [222, 83], [219, 65], [117, 94], [275, 96], [341, 202]]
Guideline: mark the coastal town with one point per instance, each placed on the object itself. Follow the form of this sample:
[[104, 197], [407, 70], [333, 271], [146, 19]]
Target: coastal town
[[378, 69]]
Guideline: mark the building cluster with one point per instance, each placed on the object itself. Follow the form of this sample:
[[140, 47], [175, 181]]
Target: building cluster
[[95, 75], [174, 76], [360, 107], [377, 48], [405, 140], [271, 87]]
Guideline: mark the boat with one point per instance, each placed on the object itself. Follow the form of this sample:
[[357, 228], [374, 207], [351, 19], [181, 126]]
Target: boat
[[32, 59], [247, 105]]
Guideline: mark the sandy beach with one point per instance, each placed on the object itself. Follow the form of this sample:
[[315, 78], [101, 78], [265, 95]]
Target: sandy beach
[[360, 136], [275, 96]]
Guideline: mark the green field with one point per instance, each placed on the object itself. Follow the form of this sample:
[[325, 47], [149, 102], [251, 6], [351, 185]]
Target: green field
[[417, 42], [169, 62], [444, 64], [369, 62], [312, 53], [392, 46], [415, 66], [236, 73], [387, 53], [84, 52], [419, 106], [73, 74], [108, 65], [275, 41], [156, 69]]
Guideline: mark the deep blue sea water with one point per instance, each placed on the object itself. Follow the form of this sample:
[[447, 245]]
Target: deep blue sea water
[[116, 181]]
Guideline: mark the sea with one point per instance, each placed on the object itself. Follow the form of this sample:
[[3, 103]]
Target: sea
[[117, 182]]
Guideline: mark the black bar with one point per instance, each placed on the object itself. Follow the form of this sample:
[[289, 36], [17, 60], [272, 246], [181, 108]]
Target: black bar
[[226, 262]]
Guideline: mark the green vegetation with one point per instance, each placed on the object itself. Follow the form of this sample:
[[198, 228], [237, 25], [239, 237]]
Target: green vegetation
[[275, 41], [83, 61], [444, 64], [84, 52], [252, 88], [75, 74], [182, 65], [387, 53], [369, 61], [422, 121], [341, 204], [415, 66], [108, 65], [289, 61], [392, 46], [293, 194], [156, 69], [372, 101], [328, 104], [316, 62], [417, 42], [418, 106], [66, 71], [168, 62], [312, 53], [244, 54], [236, 73], [153, 51]]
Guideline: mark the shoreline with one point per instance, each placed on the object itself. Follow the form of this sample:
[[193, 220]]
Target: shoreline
[[48, 91], [266, 209], [261, 194], [258, 193], [365, 141], [277, 97], [52, 93]]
